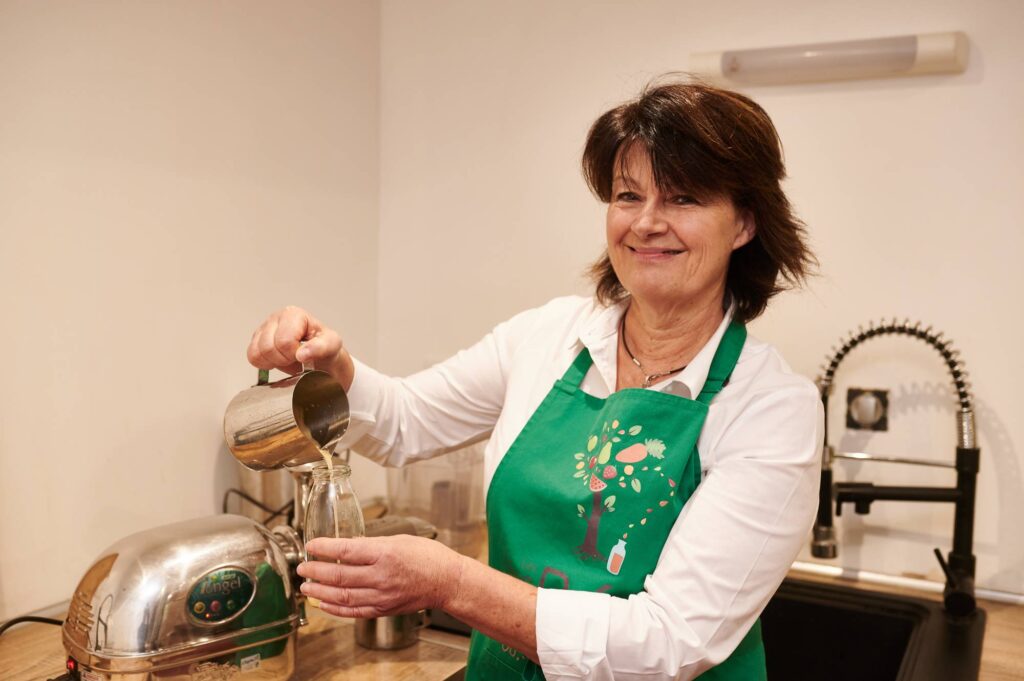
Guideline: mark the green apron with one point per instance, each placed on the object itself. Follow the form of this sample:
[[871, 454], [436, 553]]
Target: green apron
[[587, 494]]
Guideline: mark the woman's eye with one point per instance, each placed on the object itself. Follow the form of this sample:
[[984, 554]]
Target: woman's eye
[[626, 196], [684, 200]]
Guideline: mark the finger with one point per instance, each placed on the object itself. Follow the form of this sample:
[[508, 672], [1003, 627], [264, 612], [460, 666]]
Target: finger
[[349, 597], [332, 573], [268, 348], [293, 327], [253, 352], [361, 551], [362, 612]]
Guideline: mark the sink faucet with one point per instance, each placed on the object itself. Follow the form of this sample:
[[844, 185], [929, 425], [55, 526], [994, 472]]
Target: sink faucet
[[958, 595]]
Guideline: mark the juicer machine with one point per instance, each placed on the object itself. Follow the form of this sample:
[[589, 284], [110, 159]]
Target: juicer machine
[[203, 599], [216, 597]]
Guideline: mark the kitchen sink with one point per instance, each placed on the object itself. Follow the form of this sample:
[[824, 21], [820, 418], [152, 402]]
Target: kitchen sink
[[829, 632]]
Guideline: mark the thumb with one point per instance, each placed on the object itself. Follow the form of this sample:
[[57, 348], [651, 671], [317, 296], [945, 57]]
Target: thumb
[[324, 345], [304, 354]]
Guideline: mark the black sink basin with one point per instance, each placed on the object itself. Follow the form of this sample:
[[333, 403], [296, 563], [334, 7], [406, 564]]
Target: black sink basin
[[818, 631], [825, 632]]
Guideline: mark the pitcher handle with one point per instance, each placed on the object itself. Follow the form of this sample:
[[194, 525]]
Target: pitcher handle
[[263, 377]]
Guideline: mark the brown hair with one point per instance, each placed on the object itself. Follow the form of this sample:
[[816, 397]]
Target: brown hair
[[710, 142]]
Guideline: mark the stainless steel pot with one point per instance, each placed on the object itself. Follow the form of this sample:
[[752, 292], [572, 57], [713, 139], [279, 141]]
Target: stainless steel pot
[[390, 633]]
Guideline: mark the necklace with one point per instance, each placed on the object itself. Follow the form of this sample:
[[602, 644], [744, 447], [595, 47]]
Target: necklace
[[648, 378]]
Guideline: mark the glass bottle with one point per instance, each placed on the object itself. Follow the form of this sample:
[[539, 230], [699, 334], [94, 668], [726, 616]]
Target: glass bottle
[[332, 509]]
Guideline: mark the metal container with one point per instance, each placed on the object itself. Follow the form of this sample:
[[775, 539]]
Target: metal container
[[287, 422], [390, 633], [398, 631], [207, 599]]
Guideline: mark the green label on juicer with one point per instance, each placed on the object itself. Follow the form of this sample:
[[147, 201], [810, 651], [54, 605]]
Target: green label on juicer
[[220, 595]]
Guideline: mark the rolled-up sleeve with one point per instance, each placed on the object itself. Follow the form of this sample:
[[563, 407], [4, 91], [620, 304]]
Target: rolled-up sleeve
[[727, 553]]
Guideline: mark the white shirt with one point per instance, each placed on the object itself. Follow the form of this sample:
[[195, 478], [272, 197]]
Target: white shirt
[[734, 539]]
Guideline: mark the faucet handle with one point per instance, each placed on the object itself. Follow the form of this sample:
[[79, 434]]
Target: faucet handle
[[958, 596], [950, 577]]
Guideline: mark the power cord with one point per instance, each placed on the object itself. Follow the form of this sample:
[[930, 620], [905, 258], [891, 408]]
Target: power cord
[[28, 618], [285, 510], [39, 620]]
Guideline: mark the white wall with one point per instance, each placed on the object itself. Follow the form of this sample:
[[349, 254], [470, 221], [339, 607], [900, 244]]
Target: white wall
[[911, 189], [170, 172]]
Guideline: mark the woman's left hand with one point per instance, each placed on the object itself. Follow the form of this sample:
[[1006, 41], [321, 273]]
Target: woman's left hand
[[377, 576]]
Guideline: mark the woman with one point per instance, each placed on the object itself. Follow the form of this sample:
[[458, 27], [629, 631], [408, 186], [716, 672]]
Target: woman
[[651, 469]]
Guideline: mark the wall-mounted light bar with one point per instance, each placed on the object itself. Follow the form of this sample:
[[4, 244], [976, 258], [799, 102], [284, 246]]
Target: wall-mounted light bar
[[906, 55]]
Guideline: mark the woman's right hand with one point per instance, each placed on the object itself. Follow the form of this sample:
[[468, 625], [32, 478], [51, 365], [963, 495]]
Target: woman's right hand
[[291, 337]]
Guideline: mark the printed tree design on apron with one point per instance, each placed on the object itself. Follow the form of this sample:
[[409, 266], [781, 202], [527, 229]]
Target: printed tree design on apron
[[598, 471]]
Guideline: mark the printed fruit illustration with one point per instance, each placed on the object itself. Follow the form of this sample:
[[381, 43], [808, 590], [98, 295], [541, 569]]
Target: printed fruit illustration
[[632, 454], [596, 485], [609, 472]]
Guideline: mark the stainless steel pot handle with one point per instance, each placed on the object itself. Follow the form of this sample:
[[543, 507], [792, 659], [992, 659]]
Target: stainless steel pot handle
[[424, 618]]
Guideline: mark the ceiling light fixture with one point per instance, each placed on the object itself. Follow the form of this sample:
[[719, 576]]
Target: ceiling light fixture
[[906, 55]]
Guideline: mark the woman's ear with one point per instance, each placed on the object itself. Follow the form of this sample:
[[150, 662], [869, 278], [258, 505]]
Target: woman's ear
[[747, 229]]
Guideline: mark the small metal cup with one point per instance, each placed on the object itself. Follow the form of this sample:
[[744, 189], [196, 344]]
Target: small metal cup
[[390, 633], [287, 422]]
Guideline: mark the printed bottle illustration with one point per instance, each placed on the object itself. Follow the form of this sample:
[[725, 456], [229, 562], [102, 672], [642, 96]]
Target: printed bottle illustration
[[616, 556]]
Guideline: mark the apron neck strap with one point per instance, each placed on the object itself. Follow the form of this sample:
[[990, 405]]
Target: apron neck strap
[[578, 369], [718, 375], [724, 361]]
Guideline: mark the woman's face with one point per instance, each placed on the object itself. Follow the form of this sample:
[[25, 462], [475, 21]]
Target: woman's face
[[669, 248]]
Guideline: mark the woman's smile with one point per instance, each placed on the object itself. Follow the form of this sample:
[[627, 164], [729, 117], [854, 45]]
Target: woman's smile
[[653, 255]]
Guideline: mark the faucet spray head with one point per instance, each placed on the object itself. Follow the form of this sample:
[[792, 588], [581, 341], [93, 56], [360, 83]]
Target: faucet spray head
[[966, 436]]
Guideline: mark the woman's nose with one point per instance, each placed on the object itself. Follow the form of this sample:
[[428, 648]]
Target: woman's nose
[[650, 221]]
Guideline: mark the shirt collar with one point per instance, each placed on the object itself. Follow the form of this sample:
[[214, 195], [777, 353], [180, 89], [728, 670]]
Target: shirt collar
[[599, 334]]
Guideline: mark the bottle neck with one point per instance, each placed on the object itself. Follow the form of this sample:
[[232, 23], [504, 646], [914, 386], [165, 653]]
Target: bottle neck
[[338, 473]]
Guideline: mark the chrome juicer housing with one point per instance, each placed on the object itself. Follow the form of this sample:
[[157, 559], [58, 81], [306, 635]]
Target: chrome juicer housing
[[203, 600]]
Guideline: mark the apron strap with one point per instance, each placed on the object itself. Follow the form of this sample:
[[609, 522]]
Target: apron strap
[[718, 375], [578, 369], [724, 361]]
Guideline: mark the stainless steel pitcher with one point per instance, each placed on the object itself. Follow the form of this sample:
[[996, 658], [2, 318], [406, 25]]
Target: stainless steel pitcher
[[287, 422]]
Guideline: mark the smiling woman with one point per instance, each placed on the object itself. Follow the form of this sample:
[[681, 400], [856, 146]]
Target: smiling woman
[[700, 146], [643, 502], [669, 244]]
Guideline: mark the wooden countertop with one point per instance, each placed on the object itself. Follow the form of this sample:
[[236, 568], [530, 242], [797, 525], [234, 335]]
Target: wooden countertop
[[327, 648], [327, 651]]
